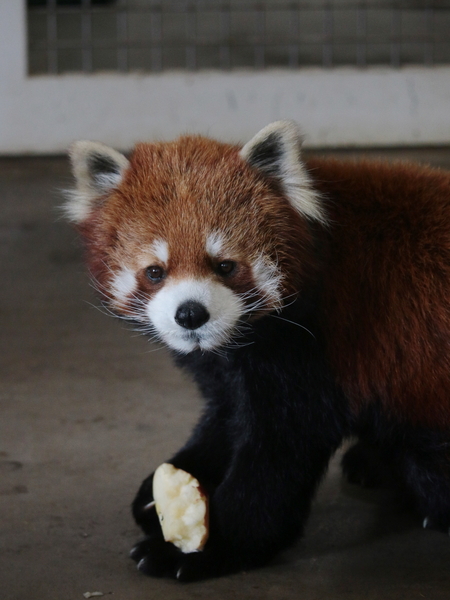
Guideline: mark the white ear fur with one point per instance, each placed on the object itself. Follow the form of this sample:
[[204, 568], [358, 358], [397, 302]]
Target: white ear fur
[[275, 151], [97, 170]]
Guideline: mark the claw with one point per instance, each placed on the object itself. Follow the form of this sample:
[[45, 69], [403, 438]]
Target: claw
[[425, 522], [149, 505], [141, 564]]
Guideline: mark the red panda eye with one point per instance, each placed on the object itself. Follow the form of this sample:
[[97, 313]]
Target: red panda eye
[[154, 273], [226, 267]]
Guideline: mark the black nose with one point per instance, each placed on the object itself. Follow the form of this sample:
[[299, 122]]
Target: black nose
[[191, 315]]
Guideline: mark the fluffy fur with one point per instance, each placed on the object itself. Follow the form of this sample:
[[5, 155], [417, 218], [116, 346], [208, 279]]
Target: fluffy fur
[[308, 299]]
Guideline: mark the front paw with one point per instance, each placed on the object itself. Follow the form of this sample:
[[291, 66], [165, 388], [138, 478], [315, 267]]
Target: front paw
[[157, 558]]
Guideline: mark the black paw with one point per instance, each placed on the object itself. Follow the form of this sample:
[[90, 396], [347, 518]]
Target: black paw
[[437, 524], [362, 464], [158, 558]]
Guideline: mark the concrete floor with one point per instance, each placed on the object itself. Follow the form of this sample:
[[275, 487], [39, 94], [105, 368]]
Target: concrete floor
[[88, 410]]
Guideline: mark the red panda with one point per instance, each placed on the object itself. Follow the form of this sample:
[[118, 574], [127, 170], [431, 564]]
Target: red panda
[[309, 299]]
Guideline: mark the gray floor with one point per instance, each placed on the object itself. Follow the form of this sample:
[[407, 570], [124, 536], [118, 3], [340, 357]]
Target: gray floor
[[88, 409]]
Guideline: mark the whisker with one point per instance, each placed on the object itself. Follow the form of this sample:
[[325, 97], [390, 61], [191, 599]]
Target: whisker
[[293, 323]]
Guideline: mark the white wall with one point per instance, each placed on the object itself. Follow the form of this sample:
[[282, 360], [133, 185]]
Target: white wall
[[342, 106]]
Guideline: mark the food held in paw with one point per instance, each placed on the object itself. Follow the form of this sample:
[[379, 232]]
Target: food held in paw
[[182, 508]]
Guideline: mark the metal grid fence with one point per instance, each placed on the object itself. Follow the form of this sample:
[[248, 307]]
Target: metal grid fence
[[156, 35]]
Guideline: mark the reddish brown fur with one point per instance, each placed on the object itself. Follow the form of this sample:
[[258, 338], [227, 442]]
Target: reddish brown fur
[[387, 285], [386, 252]]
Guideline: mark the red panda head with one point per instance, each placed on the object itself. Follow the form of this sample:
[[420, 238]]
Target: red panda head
[[193, 237]]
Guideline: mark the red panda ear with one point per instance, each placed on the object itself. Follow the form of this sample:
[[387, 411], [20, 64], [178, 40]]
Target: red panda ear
[[97, 170], [275, 151]]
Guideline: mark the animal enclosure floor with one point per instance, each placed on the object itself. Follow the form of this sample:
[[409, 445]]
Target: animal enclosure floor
[[88, 409]]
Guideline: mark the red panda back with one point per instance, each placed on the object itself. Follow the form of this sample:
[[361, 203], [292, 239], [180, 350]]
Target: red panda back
[[386, 304]]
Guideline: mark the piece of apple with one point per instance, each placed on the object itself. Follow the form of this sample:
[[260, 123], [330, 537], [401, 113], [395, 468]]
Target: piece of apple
[[182, 508]]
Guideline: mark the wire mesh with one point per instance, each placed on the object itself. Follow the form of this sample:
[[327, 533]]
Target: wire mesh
[[156, 35]]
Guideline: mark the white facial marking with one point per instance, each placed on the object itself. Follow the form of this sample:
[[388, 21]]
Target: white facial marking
[[268, 279], [155, 253], [123, 284], [214, 244], [223, 306], [160, 249]]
